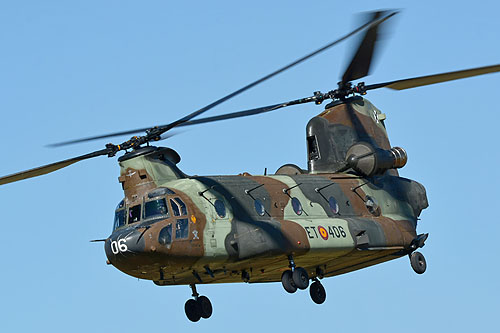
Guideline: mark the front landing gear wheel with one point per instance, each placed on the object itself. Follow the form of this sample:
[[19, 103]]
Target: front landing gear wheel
[[300, 278], [417, 261], [199, 307], [317, 292], [287, 282], [192, 310], [204, 307]]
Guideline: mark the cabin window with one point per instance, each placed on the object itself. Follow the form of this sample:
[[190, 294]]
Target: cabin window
[[165, 236], [181, 229], [334, 206], [134, 214], [220, 208], [259, 207], [155, 209], [297, 206], [119, 219], [178, 207], [372, 205]]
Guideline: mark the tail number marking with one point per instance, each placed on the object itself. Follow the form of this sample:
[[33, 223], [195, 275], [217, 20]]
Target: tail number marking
[[320, 232]]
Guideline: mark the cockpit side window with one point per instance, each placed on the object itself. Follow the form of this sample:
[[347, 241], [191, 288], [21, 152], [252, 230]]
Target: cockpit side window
[[156, 208], [178, 207], [134, 214], [165, 236], [181, 229], [119, 219], [181, 224]]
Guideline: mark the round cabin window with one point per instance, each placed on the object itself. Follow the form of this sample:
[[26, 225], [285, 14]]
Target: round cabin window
[[259, 207], [297, 206], [220, 208], [334, 205]]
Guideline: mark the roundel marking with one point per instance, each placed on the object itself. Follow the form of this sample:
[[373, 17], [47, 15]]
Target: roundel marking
[[323, 233]]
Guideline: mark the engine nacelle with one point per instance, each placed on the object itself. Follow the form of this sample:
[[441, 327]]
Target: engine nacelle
[[370, 161]]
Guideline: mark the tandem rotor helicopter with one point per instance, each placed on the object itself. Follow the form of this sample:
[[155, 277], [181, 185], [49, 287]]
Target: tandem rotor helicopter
[[349, 209]]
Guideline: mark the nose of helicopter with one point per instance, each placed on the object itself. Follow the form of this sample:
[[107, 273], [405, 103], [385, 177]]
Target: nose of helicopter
[[125, 246]]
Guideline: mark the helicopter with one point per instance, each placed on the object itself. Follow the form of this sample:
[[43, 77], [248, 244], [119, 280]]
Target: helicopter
[[348, 211]]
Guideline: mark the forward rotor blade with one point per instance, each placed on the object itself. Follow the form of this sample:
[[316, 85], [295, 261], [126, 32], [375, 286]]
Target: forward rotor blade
[[163, 128], [436, 78], [361, 60], [104, 136], [232, 115], [49, 168]]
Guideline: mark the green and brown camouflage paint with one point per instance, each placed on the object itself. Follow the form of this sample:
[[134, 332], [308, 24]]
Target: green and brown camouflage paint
[[244, 243]]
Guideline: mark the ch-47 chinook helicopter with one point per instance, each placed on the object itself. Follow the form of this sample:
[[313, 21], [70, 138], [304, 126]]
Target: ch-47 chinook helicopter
[[348, 210]]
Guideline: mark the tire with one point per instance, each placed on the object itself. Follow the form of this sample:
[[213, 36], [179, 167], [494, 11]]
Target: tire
[[317, 292], [418, 263], [300, 278], [192, 310], [287, 282], [204, 307]]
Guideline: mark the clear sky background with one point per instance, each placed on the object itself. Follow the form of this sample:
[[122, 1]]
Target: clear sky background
[[80, 68]]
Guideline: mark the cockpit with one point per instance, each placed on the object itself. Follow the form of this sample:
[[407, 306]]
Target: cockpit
[[159, 204]]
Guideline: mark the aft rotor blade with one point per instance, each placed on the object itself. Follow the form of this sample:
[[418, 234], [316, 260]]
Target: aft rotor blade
[[436, 78], [49, 168], [368, 25], [362, 59], [232, 115], [247, 113]]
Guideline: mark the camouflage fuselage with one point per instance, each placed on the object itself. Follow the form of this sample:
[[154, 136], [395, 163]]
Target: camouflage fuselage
[[245, 227]]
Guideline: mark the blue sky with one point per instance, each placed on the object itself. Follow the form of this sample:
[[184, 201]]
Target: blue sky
[[74, 69]]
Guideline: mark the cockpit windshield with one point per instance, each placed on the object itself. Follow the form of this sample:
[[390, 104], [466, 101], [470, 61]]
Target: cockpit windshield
[[134, 214], [119, 219], [155, 208]]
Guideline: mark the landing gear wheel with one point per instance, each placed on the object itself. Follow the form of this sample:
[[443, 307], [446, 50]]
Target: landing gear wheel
[[317, 292], [300, 278], [192, 310], [204, 307], [418, 263], [287, 282]]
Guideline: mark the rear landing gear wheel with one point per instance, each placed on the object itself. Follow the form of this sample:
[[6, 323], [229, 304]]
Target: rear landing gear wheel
[[300, 278], [204, 307], [192, 310], [418, 263], [287, 282], [317, 292]]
